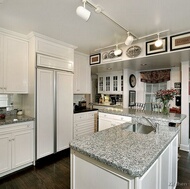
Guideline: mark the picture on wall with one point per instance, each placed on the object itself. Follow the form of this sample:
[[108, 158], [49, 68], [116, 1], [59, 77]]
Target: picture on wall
[[152, 49], [180, 41], [95, 59]]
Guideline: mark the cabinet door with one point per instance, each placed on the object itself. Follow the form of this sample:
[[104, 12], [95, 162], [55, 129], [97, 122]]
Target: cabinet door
[[82, 75], [100, 84], [115, 85], [45, 113], [104, 124], [15, 65], [5, 155], [173, 162], [107, 83], [64, 109], [22, 148], [164, 167], [1, 65]]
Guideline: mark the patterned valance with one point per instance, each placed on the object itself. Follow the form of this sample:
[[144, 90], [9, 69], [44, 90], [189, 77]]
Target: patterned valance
[[157, 76]]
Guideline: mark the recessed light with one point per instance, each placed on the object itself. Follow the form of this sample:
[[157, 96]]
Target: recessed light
[[109, 68], [143, 64]]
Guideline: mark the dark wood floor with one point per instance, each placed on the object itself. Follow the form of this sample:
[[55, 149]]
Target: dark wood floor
[[183, 171], [54, 173]]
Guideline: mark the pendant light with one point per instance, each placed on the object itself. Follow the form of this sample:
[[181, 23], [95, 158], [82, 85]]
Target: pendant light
[[158, 42], [117, 51], [129, 39], [83, 12]]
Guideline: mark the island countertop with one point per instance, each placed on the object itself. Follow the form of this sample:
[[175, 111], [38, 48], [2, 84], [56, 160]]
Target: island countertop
[[171, 117], [129, 152]]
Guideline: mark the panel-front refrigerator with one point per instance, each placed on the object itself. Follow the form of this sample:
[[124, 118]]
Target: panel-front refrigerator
[[54, 111]]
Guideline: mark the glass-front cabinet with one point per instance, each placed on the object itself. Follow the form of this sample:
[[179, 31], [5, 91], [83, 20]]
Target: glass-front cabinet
[[101, 84], [110, 83]]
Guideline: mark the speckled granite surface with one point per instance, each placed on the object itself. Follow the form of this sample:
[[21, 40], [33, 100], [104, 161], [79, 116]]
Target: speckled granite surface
[[172, 117], [128, 152], [10, 119]]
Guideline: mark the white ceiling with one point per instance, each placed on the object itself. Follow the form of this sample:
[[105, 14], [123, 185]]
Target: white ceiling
[[58, 19]]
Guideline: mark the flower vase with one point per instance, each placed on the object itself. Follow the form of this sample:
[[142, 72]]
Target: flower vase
[[165, 108]]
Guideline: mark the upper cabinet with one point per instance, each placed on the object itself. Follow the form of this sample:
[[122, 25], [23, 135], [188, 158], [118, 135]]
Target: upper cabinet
[[82, 74], [110, 83], [56, 50], [13, 65]]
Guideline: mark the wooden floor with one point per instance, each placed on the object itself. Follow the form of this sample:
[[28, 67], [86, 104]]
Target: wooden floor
[[54, 173]]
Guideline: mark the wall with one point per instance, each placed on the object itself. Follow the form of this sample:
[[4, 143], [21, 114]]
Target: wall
[[140, 86]]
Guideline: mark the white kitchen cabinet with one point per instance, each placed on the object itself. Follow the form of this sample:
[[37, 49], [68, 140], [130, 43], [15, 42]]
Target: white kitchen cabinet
[[109, 120], [13, 65], [110, 83], [64, 110], [82, 74], [55, 49], [16, 146], [54, 111], [85, 123]]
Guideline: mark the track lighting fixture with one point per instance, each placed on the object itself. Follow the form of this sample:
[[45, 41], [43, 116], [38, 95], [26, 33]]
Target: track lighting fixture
[[158, 42], [117, 51], [83, 12], [129, 39]]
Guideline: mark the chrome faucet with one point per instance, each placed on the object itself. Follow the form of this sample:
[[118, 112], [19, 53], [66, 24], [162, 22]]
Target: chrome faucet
[[154, 125]]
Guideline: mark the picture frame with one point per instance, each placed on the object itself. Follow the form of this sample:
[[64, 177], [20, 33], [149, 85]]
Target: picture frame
[[177, 85], [132, 98], [180, 41], [95, 59], [152, 49]]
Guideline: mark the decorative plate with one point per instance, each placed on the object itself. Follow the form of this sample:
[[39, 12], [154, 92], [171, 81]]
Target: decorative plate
[[105, 56], [111, 54], [133, 51]]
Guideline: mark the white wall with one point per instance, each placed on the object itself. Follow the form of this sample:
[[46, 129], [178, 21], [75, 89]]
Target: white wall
[[127, 87], [184, 145]]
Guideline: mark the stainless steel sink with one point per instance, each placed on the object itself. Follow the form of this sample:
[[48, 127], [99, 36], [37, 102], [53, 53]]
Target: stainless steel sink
[[139, 128]]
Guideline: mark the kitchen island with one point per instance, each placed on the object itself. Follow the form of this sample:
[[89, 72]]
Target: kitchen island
[[118, 158]]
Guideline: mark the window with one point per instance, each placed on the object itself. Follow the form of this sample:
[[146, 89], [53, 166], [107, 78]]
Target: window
[[150, 89]]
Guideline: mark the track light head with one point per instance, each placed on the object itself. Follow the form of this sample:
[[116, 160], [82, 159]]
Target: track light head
[[129, 40], [158, 42], [83, 12], [117, 51]]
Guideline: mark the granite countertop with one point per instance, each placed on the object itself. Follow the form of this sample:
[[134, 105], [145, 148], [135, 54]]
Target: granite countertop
[[10, 119], [129, 152], [171, 117], [85, 110]]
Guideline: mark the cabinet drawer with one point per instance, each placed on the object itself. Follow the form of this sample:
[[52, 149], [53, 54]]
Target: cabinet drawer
[[16, 126], [105, 115], [122, 118], [80, 117]]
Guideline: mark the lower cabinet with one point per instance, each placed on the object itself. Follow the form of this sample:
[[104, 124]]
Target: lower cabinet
[[109, 120], [85, 123], [16, 147]]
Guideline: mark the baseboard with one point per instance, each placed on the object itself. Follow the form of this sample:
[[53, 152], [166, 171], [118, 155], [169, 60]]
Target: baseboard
[[184, 147]]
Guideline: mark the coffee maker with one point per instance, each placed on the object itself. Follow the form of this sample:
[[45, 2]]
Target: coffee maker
[[113, 100]]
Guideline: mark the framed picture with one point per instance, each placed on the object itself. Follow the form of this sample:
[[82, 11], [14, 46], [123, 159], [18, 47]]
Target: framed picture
[[152, 49], [132, 98], [95, 59], [180, 41], [177, 85]]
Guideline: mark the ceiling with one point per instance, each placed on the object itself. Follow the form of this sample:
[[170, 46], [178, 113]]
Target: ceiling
[[58, 19]]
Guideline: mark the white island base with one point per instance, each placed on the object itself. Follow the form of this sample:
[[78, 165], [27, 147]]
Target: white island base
[[87, 173]]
